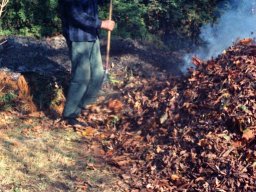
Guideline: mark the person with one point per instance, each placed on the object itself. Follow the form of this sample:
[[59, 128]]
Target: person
[[80, 26]]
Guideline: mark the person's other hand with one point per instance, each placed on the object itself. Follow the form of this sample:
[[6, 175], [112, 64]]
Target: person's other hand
[[108, 25]]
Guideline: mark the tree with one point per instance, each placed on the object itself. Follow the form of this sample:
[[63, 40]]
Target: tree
[[176, 22], [2, 6], [31, 17]]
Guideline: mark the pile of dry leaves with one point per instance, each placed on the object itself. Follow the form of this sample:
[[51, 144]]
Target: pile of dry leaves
[[15, 93], [196, 134]]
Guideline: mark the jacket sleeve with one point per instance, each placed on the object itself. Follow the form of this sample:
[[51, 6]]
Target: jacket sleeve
[[81, 18]]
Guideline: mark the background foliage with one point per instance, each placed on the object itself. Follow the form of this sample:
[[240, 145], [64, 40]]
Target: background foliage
[[31, 17], [168, 20]]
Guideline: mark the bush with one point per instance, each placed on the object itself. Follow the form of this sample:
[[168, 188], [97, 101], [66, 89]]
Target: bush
[[130, 19], [176, 21], [31, 17]]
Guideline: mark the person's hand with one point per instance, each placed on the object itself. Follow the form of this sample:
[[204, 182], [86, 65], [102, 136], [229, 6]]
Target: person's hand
[[108, 25]]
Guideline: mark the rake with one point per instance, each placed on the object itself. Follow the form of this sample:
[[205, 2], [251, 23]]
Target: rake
[[108, 42]]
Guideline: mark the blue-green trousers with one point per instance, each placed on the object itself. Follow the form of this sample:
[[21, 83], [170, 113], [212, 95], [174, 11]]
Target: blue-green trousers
[[86, 76]]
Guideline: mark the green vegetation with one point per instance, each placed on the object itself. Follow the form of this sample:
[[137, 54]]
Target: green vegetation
[[168, 20], [7, 100], [31, 17]]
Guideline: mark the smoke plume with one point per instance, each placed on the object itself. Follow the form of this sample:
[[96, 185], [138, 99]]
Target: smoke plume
[[236, 23]]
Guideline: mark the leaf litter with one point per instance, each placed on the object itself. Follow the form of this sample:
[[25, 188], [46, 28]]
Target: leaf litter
[[165, 133], [186, 134]]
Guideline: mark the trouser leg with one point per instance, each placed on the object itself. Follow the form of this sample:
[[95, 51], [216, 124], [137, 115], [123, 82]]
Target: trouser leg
[[81, 52], [97, 75]]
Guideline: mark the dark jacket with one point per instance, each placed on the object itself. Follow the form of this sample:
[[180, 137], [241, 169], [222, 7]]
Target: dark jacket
[[80, 20]]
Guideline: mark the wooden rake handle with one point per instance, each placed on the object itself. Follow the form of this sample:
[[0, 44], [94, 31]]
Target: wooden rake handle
[[109, 35]]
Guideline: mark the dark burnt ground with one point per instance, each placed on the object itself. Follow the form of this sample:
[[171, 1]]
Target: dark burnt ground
[[49, 56], [45, 62]]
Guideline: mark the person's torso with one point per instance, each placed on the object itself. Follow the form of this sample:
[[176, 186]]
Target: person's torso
[[73, 31]]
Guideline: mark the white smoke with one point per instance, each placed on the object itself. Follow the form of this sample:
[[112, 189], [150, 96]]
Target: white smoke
[[238, 23]]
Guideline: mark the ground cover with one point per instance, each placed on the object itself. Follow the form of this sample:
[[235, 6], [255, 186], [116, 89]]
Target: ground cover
[[150, 130]]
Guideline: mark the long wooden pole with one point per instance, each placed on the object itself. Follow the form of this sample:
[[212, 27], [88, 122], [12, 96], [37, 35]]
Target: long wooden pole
[[109, 37]]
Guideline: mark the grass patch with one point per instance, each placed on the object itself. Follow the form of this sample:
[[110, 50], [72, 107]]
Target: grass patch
[[52, 160]]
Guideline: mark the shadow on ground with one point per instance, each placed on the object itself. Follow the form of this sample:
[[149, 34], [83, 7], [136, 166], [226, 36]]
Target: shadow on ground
[[44, 64], [150, 54]]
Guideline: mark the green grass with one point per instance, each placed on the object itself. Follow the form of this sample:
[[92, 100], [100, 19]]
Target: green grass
[[7, 100]]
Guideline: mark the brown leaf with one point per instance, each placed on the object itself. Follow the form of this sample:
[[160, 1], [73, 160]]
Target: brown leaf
[[115, 105], [237, 144], [89, 131], [196, 61], [158, 149], [36, 114], [121, 160], [200, 179], [246, 41], [248, 134], [175, 177]]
